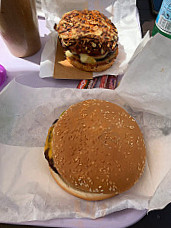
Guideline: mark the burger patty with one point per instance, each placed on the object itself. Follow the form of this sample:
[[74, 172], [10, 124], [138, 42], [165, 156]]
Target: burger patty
[[50, 161], [48, 149], [87, 32]]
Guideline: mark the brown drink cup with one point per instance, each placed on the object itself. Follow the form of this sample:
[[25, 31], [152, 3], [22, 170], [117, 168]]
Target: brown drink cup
[[19, 27]]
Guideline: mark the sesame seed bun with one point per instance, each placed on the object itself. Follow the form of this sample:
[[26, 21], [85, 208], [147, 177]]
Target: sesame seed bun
[[75, 192], [97, 150]]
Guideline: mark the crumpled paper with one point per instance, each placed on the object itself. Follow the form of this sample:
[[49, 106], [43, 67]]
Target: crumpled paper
[[146, 88], [27, 190], [122, 13]]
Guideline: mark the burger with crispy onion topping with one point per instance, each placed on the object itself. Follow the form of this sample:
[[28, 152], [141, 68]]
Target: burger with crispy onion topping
[[89, 39]]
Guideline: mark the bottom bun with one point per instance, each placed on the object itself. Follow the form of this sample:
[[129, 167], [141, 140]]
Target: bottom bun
[[78, 193], [99, 66]]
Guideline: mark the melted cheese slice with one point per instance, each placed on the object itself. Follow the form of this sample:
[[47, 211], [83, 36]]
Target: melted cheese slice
[[68, 54], [48, 143], [84, 58]]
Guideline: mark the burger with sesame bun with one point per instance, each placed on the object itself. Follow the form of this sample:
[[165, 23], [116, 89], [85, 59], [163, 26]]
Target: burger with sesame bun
[[89, 39], [95, 150]]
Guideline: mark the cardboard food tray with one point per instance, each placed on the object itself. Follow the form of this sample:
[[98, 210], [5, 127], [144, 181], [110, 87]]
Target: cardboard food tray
[[64, 70]]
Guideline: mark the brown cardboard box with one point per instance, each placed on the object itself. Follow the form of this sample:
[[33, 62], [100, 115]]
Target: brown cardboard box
[[64, 70]]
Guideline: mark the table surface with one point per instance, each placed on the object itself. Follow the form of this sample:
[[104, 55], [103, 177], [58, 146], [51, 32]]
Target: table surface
[[158, 218]]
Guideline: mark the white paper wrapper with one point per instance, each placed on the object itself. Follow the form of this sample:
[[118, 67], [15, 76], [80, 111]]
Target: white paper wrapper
[[152, 67], [123, 14], [146, 87], [27, 190]]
